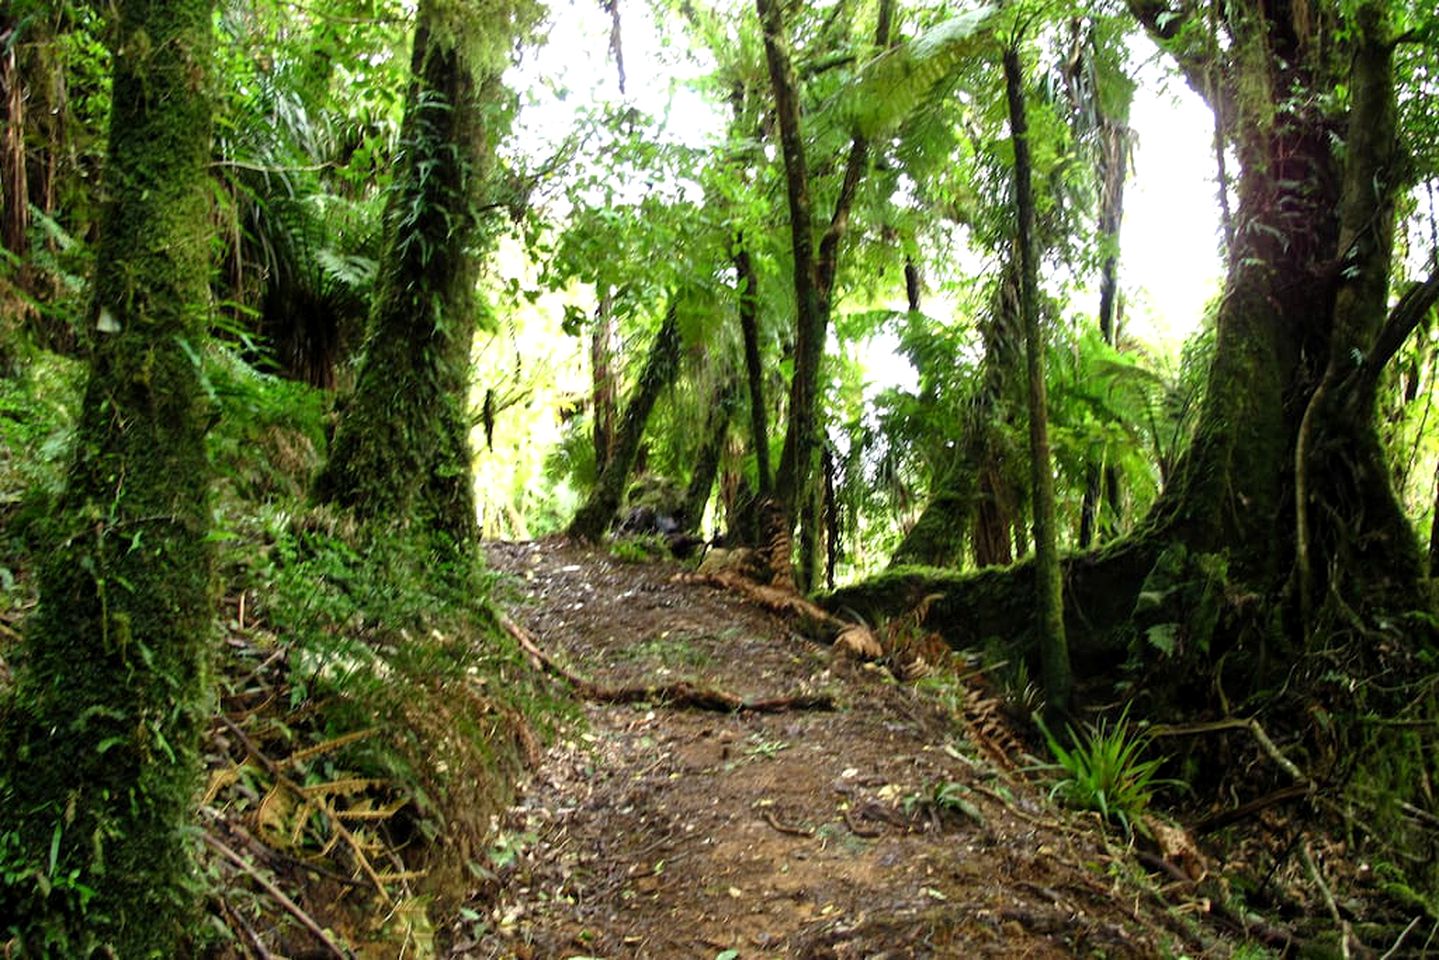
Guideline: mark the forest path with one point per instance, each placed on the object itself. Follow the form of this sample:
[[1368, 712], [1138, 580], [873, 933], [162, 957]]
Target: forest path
[[874, 830]]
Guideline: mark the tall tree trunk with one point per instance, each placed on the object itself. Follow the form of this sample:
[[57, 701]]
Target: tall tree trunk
[[603, 377], [707, 457], [593, 518], [14, 184], [832, 527], [1102, 480], [814, 273], [102, 739], [14, 198], [748, 282], [402, 452], [810, 320], [1049, 602], [1434, 531]]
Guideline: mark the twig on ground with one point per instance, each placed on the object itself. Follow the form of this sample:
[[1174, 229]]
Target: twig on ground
[[1013, 808], [770, 819], [857, 830], [247, 932], [1307, 855], [1405, 933], [1225, 818], [276, 894]]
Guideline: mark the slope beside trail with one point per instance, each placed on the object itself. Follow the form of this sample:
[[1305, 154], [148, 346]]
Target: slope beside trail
[[874, 830]]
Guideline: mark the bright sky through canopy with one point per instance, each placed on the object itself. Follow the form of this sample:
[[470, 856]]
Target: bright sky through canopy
[[1170, 264], [1170, 238]]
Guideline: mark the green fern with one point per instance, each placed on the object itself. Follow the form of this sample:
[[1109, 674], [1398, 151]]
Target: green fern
[[891, 85]]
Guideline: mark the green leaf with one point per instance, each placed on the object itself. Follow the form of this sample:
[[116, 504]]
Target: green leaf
[[1163, 637]]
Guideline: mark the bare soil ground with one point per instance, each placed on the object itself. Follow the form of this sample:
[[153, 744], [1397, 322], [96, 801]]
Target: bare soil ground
[[875, 830]]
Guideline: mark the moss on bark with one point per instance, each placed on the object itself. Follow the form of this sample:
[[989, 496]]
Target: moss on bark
[[402, 452], [593, 518], [102, 738]]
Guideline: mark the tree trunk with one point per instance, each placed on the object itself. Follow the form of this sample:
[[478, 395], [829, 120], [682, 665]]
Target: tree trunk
[[102, 739], [1101, 480], [832, 527], [707, 457], [810, 319], [14, 198], [603, 377], [594, 517], [402, 452], [14, 184], [748, 282], [1049, 601], [814, 273], [1434, 530]]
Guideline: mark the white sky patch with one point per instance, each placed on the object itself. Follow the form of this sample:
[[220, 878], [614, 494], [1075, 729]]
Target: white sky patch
[[1170, 238]]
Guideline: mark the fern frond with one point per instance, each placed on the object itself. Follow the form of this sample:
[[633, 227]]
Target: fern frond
[[890, 86]]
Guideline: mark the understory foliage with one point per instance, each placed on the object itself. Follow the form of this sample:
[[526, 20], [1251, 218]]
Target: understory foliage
[[1104, 769]]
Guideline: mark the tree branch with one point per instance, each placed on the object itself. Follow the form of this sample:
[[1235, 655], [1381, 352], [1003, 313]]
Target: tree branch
[[1406, 316], [828, 261], [1171, 29]]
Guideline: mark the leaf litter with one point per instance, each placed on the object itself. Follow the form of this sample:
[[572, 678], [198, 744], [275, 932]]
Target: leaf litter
[[877, 830]]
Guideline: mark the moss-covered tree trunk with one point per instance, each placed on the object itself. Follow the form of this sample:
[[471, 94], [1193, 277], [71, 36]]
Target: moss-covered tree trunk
[[14, 184], [593, 518], [402, 452], [708, 455], [748, 282], [1049, 600], [815, 272], [101, 743], [810, 321], [602, 379]]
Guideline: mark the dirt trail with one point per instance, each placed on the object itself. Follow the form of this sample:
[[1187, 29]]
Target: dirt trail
[[876, 830]]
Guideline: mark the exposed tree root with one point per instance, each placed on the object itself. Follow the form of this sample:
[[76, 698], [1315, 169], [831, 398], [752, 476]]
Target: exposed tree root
[[813, 621], [784, 828], [680, 694]]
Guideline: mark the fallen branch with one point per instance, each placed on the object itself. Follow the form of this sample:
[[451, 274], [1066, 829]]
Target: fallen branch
[[306, 921], [1225, 818], [1345, 935], [857, 830], [1235, 723], [681, 694]]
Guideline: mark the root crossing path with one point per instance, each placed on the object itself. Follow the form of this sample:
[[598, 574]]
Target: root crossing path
[[874, 829]]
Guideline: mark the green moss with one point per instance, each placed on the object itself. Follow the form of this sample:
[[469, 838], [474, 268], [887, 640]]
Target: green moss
[[401, 453], [101, 740]]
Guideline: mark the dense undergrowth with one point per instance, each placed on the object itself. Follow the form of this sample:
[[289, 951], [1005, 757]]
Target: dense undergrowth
[[370, 718]]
